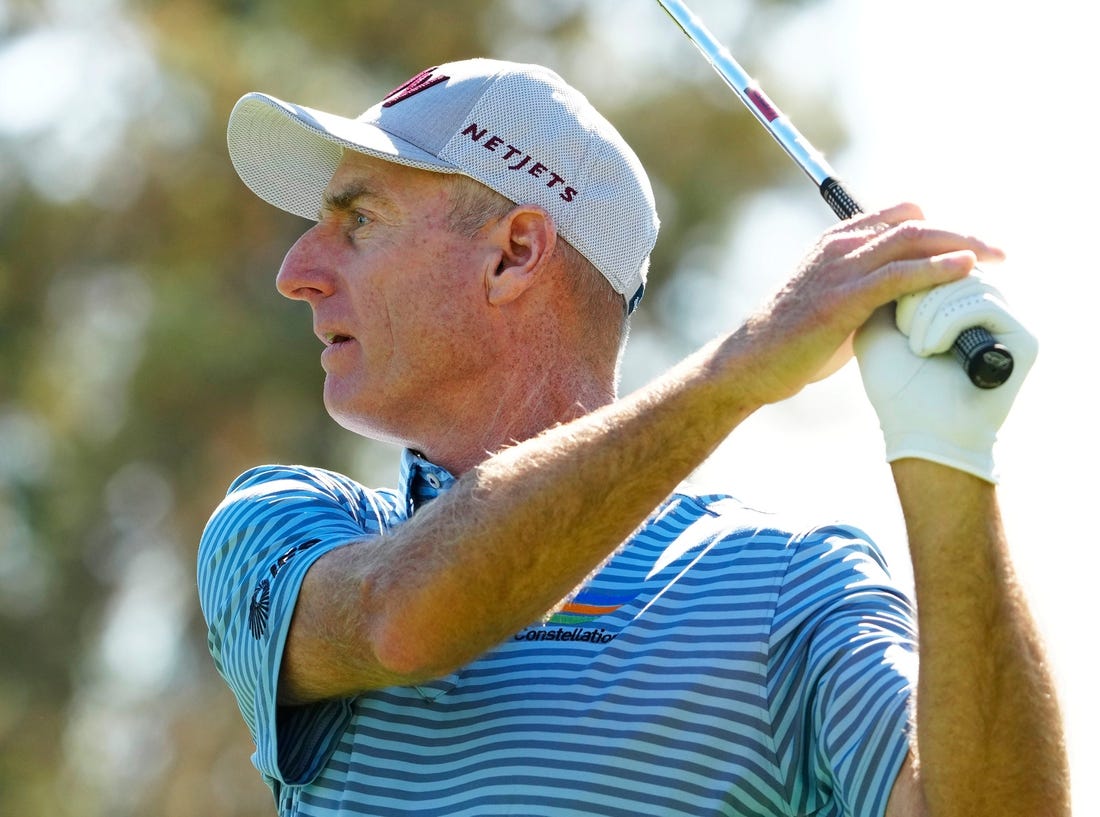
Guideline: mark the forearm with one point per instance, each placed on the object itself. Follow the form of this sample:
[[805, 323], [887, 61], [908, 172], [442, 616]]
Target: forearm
[[989, 735]]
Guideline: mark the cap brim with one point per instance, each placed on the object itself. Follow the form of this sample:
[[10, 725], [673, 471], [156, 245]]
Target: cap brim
[[287, 153]]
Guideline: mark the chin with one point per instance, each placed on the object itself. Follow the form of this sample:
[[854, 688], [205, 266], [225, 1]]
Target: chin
[[360, 422]]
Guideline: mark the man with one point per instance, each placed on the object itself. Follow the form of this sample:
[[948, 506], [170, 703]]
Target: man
[[542, 620]]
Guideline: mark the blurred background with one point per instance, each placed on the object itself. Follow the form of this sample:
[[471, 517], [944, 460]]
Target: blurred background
[[146, 360]]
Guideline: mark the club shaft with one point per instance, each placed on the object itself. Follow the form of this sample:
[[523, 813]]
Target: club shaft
[[769, 115], [987, 362]]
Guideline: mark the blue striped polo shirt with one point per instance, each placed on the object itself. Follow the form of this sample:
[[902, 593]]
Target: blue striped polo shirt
[[720, 663]]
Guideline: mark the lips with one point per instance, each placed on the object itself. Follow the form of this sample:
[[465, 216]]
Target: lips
[[331, 333], [336, 342]]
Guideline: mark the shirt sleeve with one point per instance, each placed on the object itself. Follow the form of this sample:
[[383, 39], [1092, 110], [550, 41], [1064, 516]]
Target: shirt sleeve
[[274, 523], [842, 670]]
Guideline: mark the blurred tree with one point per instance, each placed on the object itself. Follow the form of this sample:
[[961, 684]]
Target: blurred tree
[[146, 359]]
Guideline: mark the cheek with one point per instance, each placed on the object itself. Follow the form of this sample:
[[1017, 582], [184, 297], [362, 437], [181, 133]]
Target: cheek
[[425, 292], [447, 288], [443, 322]]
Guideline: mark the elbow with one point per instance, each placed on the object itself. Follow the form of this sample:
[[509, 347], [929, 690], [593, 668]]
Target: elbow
[[409, 649], [394, 653]]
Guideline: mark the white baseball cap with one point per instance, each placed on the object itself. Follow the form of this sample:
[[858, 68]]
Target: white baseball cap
[[518, 129]]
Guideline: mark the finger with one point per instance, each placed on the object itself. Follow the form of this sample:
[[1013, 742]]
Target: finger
[[852, 239], [899, 233], [866, 225], [933, 319], [895, 214], [903, 277], [919, 239]]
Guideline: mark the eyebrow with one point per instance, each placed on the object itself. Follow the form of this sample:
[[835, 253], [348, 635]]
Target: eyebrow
[[344, 200]]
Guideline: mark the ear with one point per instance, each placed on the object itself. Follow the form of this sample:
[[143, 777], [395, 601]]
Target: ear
[[525, 239]]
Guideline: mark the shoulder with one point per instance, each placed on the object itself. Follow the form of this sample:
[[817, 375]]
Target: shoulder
[[290, 480], [803, 559], [795, 535], [272, 510], [282, 490], [804, 538]]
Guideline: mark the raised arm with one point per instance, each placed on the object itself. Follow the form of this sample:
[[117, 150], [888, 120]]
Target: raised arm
[[989, 732], [519, 532]]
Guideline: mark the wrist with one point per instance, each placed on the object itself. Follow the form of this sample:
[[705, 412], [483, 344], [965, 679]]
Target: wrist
[[932, 448]]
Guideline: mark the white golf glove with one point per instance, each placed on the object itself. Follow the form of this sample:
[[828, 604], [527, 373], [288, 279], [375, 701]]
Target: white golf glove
[[926, 405], [933, 318]]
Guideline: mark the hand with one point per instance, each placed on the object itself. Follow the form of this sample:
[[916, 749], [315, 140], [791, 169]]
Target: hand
[[856, 267], [933, 318], [926, 406]]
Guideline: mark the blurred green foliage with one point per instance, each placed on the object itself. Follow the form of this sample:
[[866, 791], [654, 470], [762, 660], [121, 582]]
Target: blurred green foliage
[[145, 359]]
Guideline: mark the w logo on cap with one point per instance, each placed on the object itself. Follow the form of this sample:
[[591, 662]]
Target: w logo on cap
[[420, 82]]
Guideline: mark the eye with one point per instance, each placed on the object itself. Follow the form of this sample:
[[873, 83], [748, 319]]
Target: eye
[[362, 219]]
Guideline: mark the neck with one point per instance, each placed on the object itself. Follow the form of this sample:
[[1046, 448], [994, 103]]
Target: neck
[[503, 416]]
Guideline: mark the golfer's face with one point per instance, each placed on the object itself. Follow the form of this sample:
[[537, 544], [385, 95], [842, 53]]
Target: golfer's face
[[395, 295]]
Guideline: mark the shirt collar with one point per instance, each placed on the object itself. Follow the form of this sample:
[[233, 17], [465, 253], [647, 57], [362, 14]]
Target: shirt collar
[[421, 480]]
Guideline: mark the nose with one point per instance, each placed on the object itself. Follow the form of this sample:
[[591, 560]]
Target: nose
[[304, 275]]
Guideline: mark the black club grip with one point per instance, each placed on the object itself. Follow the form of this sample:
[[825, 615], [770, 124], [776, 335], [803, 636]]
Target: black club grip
[[987, 363], [839, 199]]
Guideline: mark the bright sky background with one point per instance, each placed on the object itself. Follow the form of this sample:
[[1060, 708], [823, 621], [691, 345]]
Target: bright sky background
[[981, 112]]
